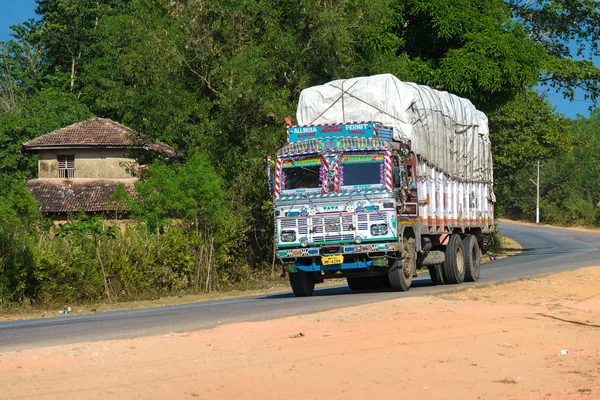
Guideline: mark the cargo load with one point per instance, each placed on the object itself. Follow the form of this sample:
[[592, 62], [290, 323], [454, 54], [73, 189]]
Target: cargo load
[[444, 130]]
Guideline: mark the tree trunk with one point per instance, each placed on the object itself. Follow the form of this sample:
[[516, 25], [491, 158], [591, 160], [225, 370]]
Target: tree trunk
[[208, 286], [103, 272], [199, 260], [72, 73], [273, 262]]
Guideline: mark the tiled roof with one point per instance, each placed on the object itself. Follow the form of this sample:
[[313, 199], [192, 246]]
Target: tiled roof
[[97, 132], [64, 195]]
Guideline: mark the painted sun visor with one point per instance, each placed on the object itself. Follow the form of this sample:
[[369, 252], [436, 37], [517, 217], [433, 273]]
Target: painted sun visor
[[306, 162]]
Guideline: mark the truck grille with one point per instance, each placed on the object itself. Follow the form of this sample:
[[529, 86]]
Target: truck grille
[[365, 219], [332, 228], [329, 228], [300, 223]]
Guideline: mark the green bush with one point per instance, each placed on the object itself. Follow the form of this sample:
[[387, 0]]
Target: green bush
[[66, 270], [18, 216]]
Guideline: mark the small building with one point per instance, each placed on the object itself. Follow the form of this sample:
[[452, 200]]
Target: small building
[[81, 165]]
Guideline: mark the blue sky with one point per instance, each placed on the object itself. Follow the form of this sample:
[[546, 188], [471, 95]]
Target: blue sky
[[14, 12], [17, 11]]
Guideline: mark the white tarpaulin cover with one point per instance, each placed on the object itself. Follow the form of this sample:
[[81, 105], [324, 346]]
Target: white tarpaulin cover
[[445, 130]]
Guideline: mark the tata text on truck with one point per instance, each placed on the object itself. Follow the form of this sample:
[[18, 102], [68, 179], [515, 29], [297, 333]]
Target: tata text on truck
[[406, 185]]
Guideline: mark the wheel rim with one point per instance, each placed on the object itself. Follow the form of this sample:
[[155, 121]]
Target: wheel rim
[[460, 260]]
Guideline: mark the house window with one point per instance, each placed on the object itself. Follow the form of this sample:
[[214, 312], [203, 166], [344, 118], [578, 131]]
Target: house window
[[66, 166]]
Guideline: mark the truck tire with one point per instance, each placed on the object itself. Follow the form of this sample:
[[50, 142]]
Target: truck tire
[[401, 273], [303, 284], [435, 273], [355, 283], [454, 264], [472, 258]]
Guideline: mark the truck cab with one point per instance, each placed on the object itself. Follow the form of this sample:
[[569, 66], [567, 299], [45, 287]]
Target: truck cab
[[340, 191]]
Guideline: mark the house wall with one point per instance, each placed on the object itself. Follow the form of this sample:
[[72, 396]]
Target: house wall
[[89, 163]]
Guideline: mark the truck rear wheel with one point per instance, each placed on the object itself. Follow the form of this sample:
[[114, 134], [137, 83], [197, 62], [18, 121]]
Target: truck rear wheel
[[454, 264], [401, 273], [435, 273], [303, 284], [472, 258]]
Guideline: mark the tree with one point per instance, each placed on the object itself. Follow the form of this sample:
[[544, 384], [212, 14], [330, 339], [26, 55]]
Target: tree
[[18, 216], [42, 113], [566, 29], [134, 79], [98, 232], [524, 130], [191, 192], [68, 31], [470, 48], [121, 201], [21, 65]]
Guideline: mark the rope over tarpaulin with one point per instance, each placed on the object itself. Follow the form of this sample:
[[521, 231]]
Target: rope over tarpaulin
[[445, 130]]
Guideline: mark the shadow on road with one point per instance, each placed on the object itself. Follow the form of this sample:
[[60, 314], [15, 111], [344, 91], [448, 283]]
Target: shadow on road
[[345, 290], [538, 251]]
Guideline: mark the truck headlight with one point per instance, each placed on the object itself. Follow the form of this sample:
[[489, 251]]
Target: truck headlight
[[287, 236], [379, 229]]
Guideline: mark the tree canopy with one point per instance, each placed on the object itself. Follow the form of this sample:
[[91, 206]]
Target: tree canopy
[[216, 80]]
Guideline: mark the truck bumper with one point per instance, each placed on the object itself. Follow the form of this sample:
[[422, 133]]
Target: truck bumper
[[315, 267], [356, 256], [345, 249]]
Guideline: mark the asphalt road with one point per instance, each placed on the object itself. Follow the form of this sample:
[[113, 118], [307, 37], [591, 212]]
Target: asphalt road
[[545, 250]]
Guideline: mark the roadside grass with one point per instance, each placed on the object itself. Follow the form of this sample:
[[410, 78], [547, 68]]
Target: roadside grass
[[263, 284], [506, 248], [258, 288]]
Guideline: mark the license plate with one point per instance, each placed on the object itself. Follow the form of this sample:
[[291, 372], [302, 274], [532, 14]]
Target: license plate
[[336, 259]]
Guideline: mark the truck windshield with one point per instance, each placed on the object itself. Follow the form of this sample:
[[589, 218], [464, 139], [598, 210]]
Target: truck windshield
[[301, 174], [361, 170]]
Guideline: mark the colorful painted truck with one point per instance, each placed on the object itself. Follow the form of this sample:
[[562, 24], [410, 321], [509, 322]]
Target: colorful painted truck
[[406, 185]]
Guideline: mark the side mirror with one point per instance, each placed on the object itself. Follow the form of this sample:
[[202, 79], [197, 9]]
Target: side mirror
[[397, 173]]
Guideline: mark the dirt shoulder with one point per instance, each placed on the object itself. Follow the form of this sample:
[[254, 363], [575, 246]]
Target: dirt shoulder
[[532, 339], [574, 228]]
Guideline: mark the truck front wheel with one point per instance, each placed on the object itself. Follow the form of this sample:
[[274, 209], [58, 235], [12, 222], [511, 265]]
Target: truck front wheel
[[401, 273], [303, 284]]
